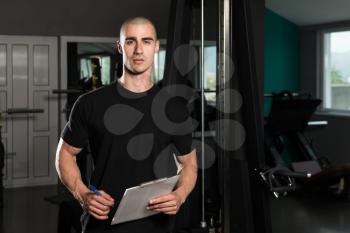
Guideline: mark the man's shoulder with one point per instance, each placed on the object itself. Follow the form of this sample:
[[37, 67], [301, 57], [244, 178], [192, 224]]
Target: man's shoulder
[[97, 94]]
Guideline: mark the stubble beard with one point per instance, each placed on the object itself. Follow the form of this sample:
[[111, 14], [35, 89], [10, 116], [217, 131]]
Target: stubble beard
[[134, 72]]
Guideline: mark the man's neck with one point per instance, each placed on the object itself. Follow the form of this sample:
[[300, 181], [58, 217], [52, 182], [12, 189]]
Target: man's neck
[[136, 83]]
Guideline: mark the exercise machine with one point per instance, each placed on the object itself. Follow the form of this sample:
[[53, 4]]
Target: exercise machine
[[285, 125]]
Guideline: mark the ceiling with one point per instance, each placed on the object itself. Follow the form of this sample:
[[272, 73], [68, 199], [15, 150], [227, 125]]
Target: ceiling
[[310, 12]]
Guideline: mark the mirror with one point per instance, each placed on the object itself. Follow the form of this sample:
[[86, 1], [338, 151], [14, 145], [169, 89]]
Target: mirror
[[306, 49]]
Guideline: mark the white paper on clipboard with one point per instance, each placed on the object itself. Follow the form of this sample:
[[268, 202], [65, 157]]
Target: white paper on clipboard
[[135, 200]]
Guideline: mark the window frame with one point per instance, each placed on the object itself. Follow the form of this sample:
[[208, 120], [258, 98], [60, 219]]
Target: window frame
[[320, 85]]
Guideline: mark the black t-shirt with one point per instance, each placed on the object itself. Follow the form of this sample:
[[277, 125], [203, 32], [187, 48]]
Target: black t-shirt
[[133, 138]]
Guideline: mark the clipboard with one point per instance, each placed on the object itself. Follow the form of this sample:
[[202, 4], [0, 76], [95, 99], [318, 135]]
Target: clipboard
[[135, 200]]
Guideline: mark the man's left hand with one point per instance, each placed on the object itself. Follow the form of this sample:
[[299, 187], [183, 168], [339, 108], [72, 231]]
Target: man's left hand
[[167, 204]]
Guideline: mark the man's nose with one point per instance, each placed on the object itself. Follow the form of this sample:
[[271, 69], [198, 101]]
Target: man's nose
[[138, 48]]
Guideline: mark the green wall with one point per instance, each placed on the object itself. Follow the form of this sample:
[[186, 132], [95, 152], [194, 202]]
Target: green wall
[[281, 56]]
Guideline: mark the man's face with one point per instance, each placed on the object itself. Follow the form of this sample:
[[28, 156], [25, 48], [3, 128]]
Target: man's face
[[138, 44]]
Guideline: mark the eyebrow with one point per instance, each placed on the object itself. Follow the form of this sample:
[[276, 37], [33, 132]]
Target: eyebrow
[[134, 38], [148, 38]]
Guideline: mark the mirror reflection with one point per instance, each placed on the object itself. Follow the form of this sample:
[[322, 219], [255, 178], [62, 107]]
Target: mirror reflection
[[42, 74], [306, 108]]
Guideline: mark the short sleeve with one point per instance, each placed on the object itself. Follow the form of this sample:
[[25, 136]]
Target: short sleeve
[[75, 133], [182, 137], [183, 144]]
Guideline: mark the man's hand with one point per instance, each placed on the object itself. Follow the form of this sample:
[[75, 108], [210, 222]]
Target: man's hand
[[171, 203], [167, 204], [97, 205]]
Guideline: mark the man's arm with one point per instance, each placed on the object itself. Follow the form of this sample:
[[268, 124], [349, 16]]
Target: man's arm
[[97, 205], [170, 203]]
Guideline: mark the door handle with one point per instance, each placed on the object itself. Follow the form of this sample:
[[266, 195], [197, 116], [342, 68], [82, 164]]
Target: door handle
[[11, 154], [24, 110]]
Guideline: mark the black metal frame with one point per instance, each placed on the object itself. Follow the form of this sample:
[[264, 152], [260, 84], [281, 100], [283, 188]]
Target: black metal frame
[[179, 29], [245, 200], [245, 206]]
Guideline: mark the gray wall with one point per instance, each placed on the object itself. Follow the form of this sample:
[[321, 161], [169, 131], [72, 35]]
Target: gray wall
[[308, 61], [89, 17], [332, 141], [77, 17]]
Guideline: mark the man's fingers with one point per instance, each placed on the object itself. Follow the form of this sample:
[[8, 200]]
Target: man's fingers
[[103, 217], [98, 205], [161, 199], [170, 207], [164, 204], [166, 209], [103, 200], [97, 211], [167, 204], [106, 196]]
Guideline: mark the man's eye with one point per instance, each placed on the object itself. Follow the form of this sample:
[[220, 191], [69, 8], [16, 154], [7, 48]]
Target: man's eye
[[148, 42], [129, 42]]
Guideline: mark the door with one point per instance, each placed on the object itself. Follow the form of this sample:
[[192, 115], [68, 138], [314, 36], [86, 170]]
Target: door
[[28, 73]]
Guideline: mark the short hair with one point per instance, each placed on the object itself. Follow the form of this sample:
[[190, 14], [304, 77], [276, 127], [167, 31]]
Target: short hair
[[137, 20]]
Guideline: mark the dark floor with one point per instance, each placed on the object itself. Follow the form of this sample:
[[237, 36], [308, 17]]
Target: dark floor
[[26, 211], [310, 214]]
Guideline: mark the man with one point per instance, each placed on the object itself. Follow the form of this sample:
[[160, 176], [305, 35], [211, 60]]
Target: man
[[128, 141]]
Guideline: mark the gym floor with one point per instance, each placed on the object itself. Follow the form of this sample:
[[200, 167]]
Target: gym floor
[[26, 211], [310, 214]]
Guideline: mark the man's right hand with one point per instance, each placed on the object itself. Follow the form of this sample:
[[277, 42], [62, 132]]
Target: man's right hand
[[97, 205]]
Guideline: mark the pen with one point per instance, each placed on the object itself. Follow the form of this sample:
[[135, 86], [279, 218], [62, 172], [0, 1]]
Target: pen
[[94, 189]]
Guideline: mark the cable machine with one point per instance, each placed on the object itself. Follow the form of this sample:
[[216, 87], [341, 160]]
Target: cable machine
[[244, 201]]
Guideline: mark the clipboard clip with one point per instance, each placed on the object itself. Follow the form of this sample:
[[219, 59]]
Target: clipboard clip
[[152, 182]]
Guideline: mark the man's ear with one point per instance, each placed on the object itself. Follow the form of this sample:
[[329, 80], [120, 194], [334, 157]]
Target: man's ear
[[119, 47]]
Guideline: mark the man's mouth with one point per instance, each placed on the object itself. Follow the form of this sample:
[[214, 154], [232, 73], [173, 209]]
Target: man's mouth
[[138, 60]]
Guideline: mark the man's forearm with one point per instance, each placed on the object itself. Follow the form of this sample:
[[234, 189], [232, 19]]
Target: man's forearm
[[188, 177], [97, 206], [69, 172]]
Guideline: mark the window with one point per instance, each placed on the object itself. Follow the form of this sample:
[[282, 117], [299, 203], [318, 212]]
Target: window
[[210, 74], [209, 70], [336, 70], [86, 68], [106, 70], [159, 64]]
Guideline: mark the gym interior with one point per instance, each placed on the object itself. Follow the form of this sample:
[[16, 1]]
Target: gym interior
[[270, 79]]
